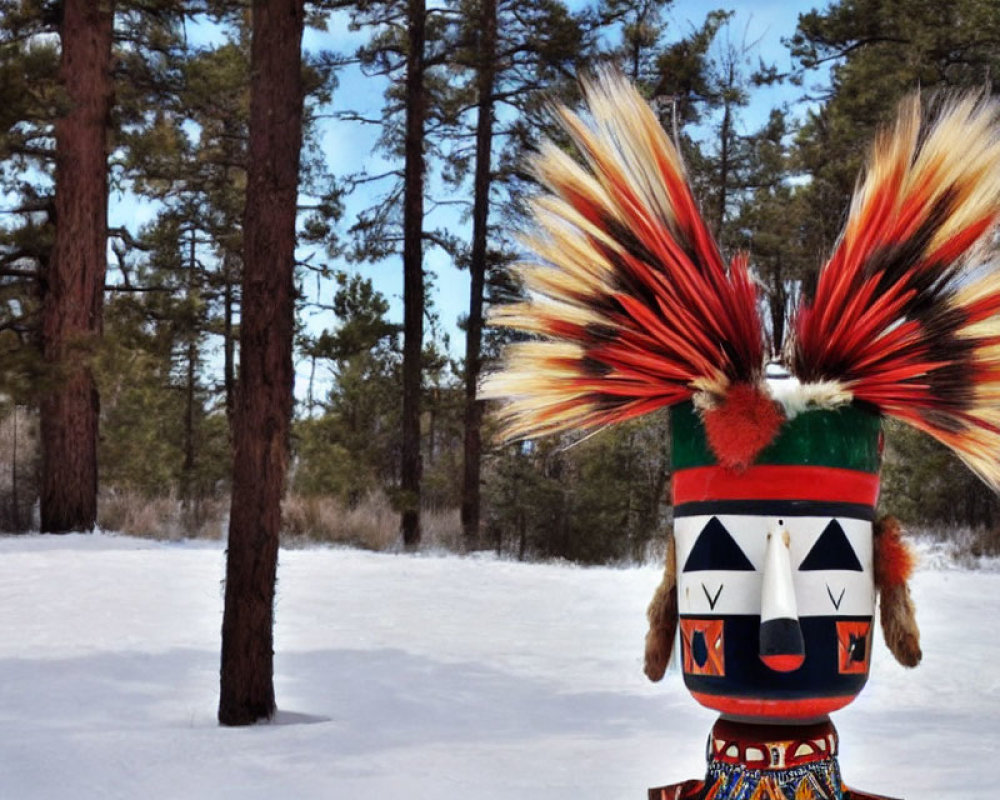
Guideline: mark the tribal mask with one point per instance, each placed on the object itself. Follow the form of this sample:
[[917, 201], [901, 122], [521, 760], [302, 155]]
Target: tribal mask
[[630, 307], [775, 580]]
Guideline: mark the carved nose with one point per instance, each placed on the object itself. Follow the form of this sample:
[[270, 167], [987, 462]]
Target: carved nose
[[781, 646]]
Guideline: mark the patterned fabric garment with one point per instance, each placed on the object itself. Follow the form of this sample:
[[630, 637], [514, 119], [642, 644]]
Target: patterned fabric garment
[[697, 790], [768, 762], [819, 780], [815, 781]]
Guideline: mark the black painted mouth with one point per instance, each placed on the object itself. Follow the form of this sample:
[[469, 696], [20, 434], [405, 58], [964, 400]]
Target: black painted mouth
[[819, 675]]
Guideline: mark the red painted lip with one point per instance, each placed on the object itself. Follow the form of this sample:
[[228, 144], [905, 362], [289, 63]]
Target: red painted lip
[[771, 709], [783, 663]]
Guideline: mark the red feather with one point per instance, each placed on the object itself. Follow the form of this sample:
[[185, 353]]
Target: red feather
[[633, 307], [905, 313], [641, 311]]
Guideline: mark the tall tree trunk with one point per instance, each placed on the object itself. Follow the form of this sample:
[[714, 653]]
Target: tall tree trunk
[[15, 501], [432, 418], [187, 469], [725, 136], [73, 292], [310, 396], [473, 445], [778, 301], [413, 272], [262, 417], [228, 358]]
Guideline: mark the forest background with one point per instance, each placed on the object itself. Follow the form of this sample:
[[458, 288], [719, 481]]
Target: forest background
[[389, 441]]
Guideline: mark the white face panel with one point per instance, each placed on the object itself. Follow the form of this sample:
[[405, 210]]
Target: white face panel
[[831, 564]]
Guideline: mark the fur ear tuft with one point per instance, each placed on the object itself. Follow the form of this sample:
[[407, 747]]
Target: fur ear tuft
[[893, 565], [894, 560], [662, 616]]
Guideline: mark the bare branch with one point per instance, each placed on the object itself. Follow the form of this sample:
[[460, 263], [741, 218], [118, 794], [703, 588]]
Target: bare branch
[[130, 241], [128, 288]]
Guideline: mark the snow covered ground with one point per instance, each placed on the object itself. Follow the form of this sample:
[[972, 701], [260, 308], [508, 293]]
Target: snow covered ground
[[423, 677]]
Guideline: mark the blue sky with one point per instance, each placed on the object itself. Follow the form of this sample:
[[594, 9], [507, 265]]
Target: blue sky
[[349, 146]]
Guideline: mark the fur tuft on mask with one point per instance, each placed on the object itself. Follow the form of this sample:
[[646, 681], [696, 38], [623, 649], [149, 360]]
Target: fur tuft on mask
[[662, 616], [744, 423], [894, 562]]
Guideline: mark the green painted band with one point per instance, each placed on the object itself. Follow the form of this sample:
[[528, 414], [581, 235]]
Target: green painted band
[[846, 437]]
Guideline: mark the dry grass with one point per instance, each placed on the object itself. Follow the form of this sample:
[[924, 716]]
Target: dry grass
[[164, 518], [967, 547], [373, 524], [442, 530]]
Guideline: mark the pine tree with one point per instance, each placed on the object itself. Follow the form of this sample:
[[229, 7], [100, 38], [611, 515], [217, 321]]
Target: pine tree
[[30, 99], [262, 416], [407, 49], [352, 449], [44, 251], [876, 53], [73, 292], [516, 52], [413, 270], [768, 225], [554, 45], [192, 253], [641, 29], [486, 50], [185, 147], [601, 501]]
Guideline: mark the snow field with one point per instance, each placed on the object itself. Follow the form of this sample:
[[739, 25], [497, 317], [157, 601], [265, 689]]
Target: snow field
[[428, 677]]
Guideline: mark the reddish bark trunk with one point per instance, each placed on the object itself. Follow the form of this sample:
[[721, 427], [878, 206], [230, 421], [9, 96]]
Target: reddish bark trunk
[[262, 416], [477, 273], [73, 290], [413, 273], [228, 350]]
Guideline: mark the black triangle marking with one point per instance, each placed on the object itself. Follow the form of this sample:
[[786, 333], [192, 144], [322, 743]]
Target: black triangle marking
[[716, 549], [832, 551]]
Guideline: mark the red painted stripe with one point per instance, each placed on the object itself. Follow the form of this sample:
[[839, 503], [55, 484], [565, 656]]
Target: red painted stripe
[[775, 482], [806, 708]]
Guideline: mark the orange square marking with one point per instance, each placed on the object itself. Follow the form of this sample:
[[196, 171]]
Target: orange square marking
[[853, 647], [703, 647]]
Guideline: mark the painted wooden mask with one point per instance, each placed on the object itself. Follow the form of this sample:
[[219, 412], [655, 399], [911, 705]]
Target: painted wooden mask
[[775, 586]]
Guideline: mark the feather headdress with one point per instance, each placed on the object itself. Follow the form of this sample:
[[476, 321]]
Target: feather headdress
[[633, 304], [906, 314], [632, 308]]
